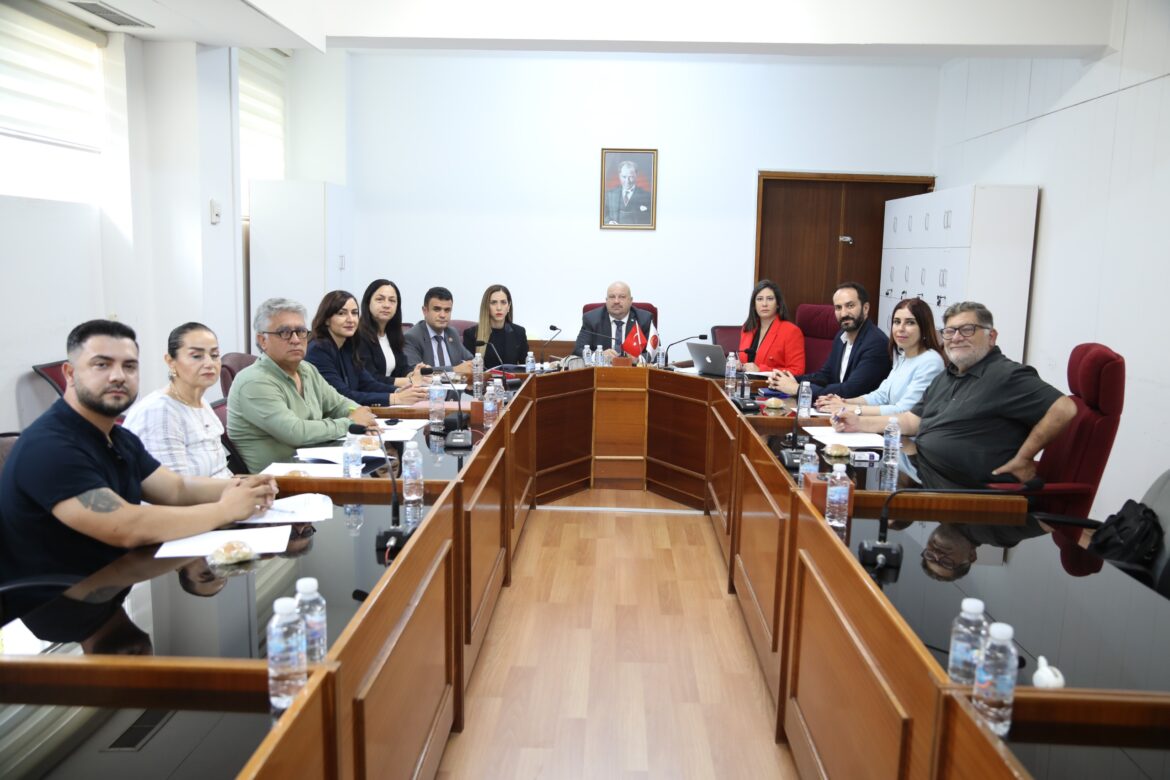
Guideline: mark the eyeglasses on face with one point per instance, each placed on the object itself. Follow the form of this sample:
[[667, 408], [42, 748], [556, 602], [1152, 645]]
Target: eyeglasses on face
[[967, 330], [286, 334], [941, 559]]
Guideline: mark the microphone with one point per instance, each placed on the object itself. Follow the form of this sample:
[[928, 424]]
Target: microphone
[[700, 337], [607, 337], [460, 437], [481, 343], [545, 343]]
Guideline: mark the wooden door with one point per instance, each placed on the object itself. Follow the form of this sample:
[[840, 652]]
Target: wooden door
[[814, 231]]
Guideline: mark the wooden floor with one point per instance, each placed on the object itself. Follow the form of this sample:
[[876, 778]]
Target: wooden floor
[[617, 653]]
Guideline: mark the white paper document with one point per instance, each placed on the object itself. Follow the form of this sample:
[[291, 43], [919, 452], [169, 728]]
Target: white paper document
[[826, 435], [303, 508], [412, 424], [328, 470], [262, 539], [334, 454]]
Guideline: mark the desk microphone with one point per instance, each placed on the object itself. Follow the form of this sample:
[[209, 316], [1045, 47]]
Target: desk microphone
[[700, 337], [481, 343], [608, 337], [460, 437], [545, 343]]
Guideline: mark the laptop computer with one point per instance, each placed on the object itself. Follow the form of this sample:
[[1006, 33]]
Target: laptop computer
[[709, 358]]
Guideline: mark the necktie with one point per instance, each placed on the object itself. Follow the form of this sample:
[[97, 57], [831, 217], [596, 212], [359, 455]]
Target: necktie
[[625, 199], [618, 335], [440, 358]]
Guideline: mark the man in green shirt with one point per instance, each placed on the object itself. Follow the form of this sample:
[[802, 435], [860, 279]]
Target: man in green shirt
[[280, 402]]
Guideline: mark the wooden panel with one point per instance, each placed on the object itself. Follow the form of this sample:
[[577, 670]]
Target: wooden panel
[[619, 422], [484, 534], [621, 378], [1080, 716], [676, 484], [382, 618], [839, 690], [722, 453], [403, 709], [619, 473], [563, 480], [521, 460], [892, 653], [677, 424], [564, 432], [969, 751], [303, 743]]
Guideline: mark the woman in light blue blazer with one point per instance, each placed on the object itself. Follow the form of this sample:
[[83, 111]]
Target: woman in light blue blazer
[[917, 357]]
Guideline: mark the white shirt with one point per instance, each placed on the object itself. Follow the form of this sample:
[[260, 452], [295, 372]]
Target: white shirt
[[845, 356], [384, 343], [184, 439]]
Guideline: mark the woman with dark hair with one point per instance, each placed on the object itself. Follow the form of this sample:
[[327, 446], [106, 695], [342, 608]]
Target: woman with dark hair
[[504, 340], [332, 350], [769, 341], [378, 343], [176, 425], [917, 357]]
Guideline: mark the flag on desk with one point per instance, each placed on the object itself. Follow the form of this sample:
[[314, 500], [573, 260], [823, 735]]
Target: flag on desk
[[637, 342]]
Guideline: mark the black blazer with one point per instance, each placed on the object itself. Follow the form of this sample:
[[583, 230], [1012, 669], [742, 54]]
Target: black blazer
[[598, 321], [375, 362], [515, 348], [869, 364], [337, 367]]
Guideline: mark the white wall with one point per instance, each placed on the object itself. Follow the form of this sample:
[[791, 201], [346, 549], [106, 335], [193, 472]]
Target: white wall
[[1096, 137], [469, 168]]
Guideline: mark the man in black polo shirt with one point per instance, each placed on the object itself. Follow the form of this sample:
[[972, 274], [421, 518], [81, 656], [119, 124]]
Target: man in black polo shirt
[[984, 416], [72, 487]]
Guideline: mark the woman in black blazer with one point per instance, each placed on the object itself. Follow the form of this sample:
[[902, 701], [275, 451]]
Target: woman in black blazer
[[507, 342], [378, 341]]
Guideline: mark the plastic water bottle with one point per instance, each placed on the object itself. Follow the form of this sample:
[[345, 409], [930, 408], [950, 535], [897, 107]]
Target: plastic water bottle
[[968, 635], [477, 377], [351, 456], [995, 679], [491, 407], [837, 500], [412, 474], [809, 465], [411, 516], [501, 394], [311, 606], [891, 446], [530, 364], [660, 357], [729, 374], [804, 400], [437, 404], [587, 356], [287, 669], [355, 517]]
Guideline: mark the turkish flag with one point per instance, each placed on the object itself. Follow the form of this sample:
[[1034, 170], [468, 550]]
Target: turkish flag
[[635, 340]]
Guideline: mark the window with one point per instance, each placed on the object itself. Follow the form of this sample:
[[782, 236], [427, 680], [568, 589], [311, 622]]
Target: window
[[262, 90]]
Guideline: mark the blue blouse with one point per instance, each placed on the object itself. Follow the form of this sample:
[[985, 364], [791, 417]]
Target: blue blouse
[[337, 367], [903, 388]]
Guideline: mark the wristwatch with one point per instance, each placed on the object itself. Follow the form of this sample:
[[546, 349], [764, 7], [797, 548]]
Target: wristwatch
[[857, 410]]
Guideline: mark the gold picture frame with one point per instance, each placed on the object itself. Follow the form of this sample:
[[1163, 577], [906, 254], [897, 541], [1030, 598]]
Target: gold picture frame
[[629, 189]]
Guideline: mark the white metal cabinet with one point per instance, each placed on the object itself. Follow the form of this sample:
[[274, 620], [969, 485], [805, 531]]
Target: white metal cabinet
[[966, 243], [299, 242]]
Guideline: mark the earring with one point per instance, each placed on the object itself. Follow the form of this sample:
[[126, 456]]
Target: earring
[[173, 375]]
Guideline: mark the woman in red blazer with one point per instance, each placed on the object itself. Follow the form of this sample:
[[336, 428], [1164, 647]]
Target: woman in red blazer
[[769, 341]]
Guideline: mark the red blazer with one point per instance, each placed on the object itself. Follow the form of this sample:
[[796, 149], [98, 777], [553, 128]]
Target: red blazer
[[782, 347]]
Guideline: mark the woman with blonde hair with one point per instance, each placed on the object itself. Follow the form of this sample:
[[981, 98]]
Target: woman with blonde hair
[[496, 337]]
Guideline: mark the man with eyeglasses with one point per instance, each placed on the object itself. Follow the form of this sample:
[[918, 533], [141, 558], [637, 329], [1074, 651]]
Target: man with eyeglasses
[[983, 419], [281, 402]]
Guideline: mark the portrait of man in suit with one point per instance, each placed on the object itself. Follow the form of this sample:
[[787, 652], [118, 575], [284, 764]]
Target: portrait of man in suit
[[627, 185]]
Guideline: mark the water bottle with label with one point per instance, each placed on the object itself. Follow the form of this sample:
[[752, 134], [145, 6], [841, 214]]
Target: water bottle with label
[[437, 404], [660, 357], [311, 606], [491, 407], [891, 446], [968, 635], [837, 500], [810, 464], [477, 377], [729, 374], [587, 356], [501, 395], [995, 679], [530, 364], [287, 668], [351, 456], [804, 400], [412, 474]]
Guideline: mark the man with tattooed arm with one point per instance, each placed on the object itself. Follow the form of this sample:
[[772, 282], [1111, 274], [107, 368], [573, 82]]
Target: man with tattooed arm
[[72, 489]]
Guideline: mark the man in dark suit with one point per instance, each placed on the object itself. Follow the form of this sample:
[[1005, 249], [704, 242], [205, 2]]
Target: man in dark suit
[[860, 358], [627, 204], [431, 341], [615, 318]]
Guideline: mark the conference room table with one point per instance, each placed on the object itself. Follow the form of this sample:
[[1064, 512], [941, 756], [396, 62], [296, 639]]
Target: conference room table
[[854, 663]]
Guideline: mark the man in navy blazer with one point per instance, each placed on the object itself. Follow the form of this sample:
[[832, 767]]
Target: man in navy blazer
[[596, 324], [419, 342], [860, 359]]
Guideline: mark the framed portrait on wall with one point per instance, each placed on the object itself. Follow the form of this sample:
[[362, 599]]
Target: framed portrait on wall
[[629, 188]]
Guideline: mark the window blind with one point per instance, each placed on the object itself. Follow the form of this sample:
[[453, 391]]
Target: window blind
[[262, 109]]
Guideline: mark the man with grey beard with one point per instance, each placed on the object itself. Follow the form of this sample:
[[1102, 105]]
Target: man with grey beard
[[985, 417]]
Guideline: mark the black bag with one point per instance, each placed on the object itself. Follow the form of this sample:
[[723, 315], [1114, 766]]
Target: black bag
[[1133, 535]]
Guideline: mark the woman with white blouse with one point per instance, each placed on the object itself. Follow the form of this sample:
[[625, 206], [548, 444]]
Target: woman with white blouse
[[175, 424]]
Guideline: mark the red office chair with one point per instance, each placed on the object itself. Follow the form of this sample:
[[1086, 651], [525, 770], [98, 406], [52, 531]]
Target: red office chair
[[232, 364], [637, 305], [53, 373], [819, 326], [726, 336], [1071, 465], [235, 461], [461, 325]]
